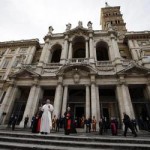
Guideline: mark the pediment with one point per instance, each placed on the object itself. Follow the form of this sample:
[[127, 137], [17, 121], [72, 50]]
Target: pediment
[[83, 70], [135, 69], [24, 73]]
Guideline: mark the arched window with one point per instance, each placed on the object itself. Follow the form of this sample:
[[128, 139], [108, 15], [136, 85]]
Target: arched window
[[102, 51], [78, 47], [56, 53]]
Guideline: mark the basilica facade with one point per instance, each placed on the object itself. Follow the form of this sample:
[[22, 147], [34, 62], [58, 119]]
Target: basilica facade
[[95, 72]]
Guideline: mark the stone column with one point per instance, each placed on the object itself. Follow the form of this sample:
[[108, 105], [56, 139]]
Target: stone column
[[70, 50], [35, 104], [65, 98], [87, 107], [91, 46], [132, 49], [43, 54], [115, 47], [93, 98], [58, 98], [124, 100], [98, 104], [10, 104], [64, 53], [4, 104], [30, 55], [29, 104], [87, 49]]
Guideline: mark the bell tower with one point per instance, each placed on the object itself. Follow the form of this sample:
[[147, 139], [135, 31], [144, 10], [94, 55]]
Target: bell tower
[[111, 16]]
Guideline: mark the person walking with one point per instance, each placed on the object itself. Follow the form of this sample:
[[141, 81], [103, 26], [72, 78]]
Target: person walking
[[46, 120], [26, 119], [128, 124]]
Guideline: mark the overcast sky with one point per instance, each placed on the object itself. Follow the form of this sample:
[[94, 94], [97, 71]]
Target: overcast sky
[[27, 19]]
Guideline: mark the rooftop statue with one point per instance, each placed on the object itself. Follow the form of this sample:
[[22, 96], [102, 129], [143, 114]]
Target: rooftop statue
[[80, 24], [68, 26], [89, 25], [50, 30]]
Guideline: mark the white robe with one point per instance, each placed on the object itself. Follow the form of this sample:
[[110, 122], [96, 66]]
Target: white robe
[[46, 120]]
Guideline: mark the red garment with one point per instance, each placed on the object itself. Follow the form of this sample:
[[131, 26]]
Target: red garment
[[68, 121], [38, 125]]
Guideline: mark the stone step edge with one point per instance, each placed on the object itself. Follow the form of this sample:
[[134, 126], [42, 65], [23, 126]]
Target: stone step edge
[[75, 143], [78, 138]]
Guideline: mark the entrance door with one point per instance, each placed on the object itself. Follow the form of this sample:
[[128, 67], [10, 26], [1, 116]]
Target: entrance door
[[18, 110], [106, 113], [79, 112]]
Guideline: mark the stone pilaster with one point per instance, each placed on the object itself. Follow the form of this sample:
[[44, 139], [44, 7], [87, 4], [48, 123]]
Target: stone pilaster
[[43, 54], [91, 47], [65, 98], [88, 106], [30, 55], [64, 53], [70, 50], [133, 50], [87, 48], [58, 98]]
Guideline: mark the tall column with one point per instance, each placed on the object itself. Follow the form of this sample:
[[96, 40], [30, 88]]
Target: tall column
[[93, 98], [5, 102], [58, 98], [87, 48], [64, 53], [35, 104], [91, 46], [70, 50], [29, 104], [124, 100], [42, 57], [98, 104], [65, 98], [88, 113], [30, 55], [10, 104]]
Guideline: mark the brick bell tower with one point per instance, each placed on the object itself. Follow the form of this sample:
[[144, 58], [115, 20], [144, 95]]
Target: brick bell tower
[[111, 16]]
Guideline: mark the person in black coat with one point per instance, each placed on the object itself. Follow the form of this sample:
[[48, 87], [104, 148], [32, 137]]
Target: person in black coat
[[128, 124]]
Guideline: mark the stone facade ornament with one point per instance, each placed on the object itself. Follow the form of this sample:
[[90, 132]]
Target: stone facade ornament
[[80, 24], [89, 25], [68, 26], [50, 30], [76, 77]]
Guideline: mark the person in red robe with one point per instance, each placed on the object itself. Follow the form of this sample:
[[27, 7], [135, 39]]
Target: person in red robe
[[68, 121]]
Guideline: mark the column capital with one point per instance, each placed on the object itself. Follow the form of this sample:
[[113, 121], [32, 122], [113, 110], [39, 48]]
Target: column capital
[[60, 80], [35, 82], [90, 35], [86, 39], [66, 37], [70, 40]]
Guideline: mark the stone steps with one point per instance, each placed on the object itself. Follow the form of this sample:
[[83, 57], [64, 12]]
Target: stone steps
[[13, 140]]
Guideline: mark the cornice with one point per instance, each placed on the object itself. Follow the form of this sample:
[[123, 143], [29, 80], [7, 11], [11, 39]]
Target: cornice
[[29, 42]]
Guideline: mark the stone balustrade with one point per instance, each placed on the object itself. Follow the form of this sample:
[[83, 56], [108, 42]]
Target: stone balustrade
[[104, 63], [78, 60]]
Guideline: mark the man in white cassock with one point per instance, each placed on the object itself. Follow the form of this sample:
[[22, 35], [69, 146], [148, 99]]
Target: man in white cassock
[[46, 120]]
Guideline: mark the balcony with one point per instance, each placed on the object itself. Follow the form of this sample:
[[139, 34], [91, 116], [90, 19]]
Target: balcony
[[78, 61], [104, 63]]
